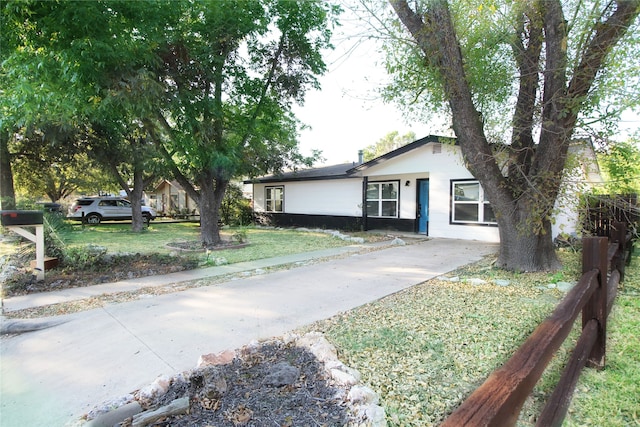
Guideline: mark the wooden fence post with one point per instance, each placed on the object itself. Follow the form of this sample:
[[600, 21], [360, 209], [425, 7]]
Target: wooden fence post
[[594, 256], [619, 236]]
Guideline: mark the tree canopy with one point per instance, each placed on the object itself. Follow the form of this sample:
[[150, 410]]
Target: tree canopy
[[620, 164], [389, 142], [211, 84]]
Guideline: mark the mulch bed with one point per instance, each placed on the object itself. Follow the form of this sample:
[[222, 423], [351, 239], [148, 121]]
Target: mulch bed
[[248, 392]]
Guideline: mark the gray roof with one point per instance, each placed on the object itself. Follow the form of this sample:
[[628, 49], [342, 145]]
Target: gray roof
[[310, 174], [347, 170]]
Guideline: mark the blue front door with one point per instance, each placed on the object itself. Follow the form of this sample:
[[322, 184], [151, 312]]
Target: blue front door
[[423, 206]]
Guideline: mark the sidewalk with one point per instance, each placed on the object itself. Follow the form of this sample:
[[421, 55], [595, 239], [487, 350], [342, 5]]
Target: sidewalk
[[73, 294], [53, 376]]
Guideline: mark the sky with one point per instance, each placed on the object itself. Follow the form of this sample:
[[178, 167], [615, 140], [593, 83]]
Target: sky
[[346, 114]]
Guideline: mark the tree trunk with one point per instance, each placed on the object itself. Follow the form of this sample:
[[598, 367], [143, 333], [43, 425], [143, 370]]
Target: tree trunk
[[211, 194], [7, 193], [135, 196], [523, 249]]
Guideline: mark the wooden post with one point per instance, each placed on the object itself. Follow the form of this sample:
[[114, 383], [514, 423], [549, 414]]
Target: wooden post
[[619, 235], [594, 257], [38, 239]]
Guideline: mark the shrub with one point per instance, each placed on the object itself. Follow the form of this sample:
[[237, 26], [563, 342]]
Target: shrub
[[235, 209], [84, 258]]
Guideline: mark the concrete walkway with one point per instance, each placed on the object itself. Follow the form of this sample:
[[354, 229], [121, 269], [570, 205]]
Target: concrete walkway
[[52, 376]]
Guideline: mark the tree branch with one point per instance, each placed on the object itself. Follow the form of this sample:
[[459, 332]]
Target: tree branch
[[527, 46], [607, 34], [267, 84], [175, 171]]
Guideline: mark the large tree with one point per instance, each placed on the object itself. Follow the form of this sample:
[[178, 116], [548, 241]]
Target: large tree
[[542, 64], [86, 64], [232, 70], [51, 160], [212, 82]]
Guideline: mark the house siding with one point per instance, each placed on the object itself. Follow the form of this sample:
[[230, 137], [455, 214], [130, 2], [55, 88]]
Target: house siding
[[339, 197], [336, 201], [440, 168]]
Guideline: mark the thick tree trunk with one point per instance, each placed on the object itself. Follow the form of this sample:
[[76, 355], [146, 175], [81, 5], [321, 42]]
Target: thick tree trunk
[[7, 193], [211, 195], [526, 251], [135, 196]]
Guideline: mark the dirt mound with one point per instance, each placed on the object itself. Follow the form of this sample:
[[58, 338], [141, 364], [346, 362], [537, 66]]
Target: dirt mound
[[292, 381]]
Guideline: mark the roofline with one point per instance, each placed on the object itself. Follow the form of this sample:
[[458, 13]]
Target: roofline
[[404, 149], [291, 177], [315, 178], [170, 182]]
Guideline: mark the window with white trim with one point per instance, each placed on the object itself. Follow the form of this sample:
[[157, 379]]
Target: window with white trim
[[274, 199], [382, 199], [469, 205]]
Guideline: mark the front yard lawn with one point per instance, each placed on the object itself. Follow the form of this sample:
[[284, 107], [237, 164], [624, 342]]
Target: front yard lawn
[[426, 349], [263, 242]]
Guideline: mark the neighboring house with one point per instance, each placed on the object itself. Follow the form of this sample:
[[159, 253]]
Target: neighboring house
[[169, 199], [422, 187]]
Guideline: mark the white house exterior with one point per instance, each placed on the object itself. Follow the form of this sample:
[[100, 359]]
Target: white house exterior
[[422, 187]]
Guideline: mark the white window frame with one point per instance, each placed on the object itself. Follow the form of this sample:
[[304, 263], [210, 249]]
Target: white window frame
[[270, 202], [381, 200], [480, 202]]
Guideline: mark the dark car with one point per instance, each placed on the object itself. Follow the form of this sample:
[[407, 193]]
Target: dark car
[[52, 207]]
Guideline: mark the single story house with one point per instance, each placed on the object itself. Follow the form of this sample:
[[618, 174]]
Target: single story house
[[169, 198], [422, 187]]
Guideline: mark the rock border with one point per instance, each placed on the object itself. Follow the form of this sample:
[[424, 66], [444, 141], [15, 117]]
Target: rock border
[[362, 401]]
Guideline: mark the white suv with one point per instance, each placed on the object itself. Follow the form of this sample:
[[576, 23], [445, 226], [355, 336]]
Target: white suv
[[96, 209]]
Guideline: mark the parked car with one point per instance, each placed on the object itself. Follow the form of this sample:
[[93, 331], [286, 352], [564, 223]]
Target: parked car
[[97, 209], [55, 208]]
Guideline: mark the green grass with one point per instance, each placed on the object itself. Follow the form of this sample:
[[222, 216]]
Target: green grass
[[425, 349], [611, 397], [263, 243]]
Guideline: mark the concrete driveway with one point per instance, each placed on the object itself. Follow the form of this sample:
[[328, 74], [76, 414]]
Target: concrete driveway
[[53, 376]]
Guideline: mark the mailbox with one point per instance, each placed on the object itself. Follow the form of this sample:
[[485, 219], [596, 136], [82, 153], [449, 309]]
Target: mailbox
[[21, 218]]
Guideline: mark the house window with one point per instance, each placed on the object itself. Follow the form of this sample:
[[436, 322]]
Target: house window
[[274, 198], [469, 204], [382, 199]]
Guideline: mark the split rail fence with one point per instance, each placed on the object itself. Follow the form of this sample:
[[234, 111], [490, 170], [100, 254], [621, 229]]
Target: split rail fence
[[498, 401]]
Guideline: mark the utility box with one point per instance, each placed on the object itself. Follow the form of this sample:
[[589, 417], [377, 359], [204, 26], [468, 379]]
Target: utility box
[[21, 218]]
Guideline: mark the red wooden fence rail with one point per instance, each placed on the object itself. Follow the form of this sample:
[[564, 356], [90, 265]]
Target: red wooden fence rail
[[499, 400]]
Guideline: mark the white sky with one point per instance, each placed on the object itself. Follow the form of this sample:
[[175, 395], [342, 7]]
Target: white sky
[[347, 115]]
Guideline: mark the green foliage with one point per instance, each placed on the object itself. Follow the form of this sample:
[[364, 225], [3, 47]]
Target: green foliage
[[235, 208], [389, 142], [487, 33], [212, 83], [620, 164], [54, 224], [240, 235], [249, 101], [83, 257]]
